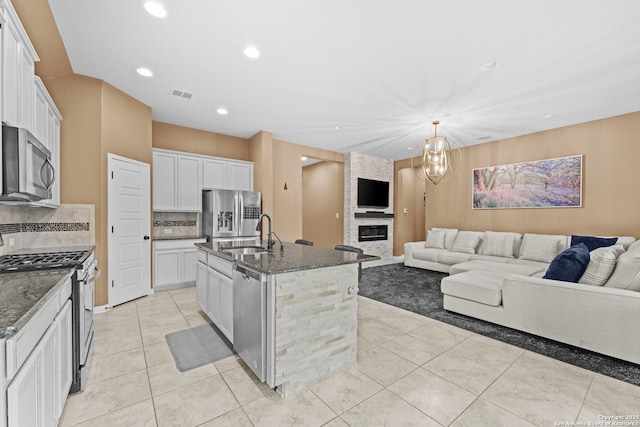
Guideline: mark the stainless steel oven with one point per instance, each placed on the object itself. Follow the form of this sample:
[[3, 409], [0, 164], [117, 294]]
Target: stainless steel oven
[[84, 289]]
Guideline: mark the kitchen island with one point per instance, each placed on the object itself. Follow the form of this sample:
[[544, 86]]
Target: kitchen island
[[294, 310]]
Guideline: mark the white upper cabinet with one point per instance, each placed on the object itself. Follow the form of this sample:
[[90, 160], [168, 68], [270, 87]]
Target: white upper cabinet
[[189, 187], [228, 174], [178, 179], [18, 58], [165, 182], [46, 127], [240, 176], [176, 182]]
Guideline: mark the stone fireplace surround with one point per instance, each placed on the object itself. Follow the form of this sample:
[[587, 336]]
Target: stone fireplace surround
[[363, 166]]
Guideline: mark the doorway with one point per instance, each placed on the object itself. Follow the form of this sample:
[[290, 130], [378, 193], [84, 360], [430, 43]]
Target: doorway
[[409, 223], [322, 202], [129, 212]]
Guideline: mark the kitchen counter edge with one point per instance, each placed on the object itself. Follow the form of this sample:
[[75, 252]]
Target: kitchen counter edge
[[321, 258]]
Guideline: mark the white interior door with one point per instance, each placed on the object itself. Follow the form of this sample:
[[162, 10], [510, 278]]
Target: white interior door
[[129, 230]]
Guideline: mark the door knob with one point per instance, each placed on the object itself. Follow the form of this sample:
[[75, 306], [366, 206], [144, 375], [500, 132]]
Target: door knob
[[146, 237]]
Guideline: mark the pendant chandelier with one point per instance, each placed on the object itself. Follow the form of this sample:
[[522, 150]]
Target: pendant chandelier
[[441, 158]]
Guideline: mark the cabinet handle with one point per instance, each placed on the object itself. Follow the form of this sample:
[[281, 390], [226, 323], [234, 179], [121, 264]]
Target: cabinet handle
[[351, 290], [146, 237]]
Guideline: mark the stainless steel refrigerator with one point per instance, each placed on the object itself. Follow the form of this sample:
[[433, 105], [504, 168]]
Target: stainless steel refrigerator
[[230, 214]]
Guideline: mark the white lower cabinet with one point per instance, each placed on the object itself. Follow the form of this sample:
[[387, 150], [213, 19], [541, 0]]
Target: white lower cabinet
[[37, 394], [174, 263], [214, 291]]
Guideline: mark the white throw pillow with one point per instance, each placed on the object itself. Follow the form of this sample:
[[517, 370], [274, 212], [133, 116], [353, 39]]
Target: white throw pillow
[[540, 247], [601, 265], [466, 242], [499, 243], [450, 236], [435, 239]]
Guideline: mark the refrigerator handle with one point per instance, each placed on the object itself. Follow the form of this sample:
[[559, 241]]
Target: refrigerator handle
[[238, 214]]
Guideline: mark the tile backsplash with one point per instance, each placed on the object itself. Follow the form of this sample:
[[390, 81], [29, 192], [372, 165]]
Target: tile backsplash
[[176, 224], [69, 225]]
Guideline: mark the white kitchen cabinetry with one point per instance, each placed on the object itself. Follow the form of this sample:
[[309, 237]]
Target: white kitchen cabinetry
[[18, 58], [214, 291], [47, 129], [24, 101], [175, 263], [178, 179], [232, 175], [165, 182], [39, 384], [176, 182], [189, 187]]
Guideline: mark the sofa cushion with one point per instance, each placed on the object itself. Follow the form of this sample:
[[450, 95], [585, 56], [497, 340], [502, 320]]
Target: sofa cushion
[[503, 244], [490, 258], [435, 239], [480, 286], [450, 236], [569, 264], [601, 264], [593, 242], [540, 247], [451, 257], [626, 275], [541, 265], [428, 254], [496, 267], [467, 241]]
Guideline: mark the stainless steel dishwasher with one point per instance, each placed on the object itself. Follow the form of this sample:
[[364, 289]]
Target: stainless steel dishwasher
[[249, 319]]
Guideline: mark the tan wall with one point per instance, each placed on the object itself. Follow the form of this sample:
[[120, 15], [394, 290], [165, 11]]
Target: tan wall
[[261, 154], [322, 198], [179, 138], [97, 119], [610, 202], [37, 19], [287, 168]]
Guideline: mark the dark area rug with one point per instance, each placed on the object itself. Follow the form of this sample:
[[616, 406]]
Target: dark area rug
[[418, 290], [198, 346]]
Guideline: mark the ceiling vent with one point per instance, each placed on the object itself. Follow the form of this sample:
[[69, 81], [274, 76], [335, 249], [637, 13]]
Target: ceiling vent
[[181, 93], [483, 138]]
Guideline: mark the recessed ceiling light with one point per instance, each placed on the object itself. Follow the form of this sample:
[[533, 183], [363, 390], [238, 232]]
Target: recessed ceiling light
[[337, 128], [546, 116], [155, 9], [304, 158], [144, 72], [490, 65], [222, 111], [252, 52]]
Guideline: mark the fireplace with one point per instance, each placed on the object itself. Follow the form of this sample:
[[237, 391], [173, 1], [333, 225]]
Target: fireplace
[[369, 233]]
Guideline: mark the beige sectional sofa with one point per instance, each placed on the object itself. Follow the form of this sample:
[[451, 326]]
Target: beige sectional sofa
[[501, 281]]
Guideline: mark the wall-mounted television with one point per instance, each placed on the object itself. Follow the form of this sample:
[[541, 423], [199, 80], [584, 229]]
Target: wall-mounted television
[[373, 194]]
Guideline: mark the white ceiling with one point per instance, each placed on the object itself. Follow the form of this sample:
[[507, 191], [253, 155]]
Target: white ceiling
[[380, 70]]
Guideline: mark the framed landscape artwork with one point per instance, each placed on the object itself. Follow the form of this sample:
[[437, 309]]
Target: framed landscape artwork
[[550, 183]]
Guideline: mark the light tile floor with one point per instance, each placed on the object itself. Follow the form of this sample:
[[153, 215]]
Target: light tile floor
[[411, 371]]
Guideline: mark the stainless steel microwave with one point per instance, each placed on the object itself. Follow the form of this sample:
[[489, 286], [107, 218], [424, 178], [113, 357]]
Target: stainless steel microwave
[[27, 171]]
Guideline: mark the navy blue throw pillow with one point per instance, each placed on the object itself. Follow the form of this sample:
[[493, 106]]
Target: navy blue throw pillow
[[570, 264], [594, 242]]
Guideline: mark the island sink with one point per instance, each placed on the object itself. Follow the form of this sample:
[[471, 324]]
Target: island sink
[[245, 250]]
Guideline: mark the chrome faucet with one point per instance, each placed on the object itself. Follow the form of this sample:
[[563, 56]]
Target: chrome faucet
[[270, 241]]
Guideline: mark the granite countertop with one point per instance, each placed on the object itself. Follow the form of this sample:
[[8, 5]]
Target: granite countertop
[[172, 237], [23, 294], [293, 258]]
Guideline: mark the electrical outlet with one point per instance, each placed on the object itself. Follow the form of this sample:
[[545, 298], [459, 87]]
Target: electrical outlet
[[12, 241], [168, 231]]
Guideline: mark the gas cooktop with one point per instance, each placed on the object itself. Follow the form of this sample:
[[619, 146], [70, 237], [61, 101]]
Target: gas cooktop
[[41, 261]]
